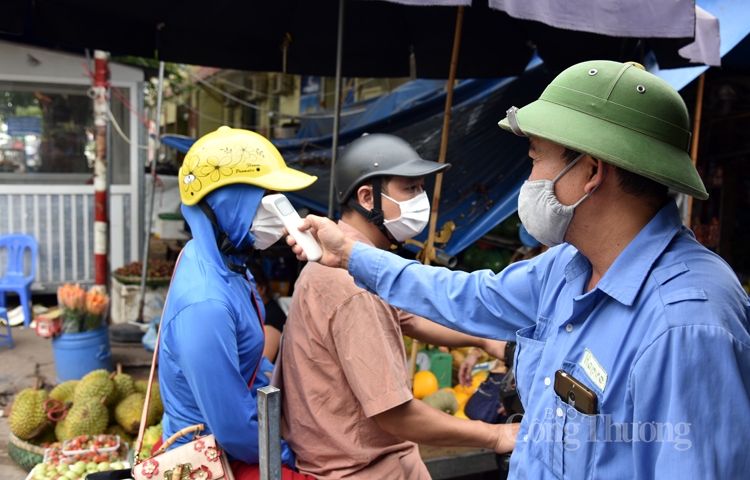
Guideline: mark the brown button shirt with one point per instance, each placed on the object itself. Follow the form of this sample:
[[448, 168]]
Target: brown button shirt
[[344, 362]]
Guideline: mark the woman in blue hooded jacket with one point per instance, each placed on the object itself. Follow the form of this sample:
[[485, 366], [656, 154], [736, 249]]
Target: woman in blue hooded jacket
[[210, 360]]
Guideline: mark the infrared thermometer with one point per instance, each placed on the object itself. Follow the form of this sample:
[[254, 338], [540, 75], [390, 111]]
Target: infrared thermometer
[[280, 206]]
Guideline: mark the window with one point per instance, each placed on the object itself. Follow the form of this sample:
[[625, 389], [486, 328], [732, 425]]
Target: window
[[47, 135]]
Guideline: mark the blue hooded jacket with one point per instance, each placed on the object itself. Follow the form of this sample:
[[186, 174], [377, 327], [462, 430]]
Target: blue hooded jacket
[[211, 336]]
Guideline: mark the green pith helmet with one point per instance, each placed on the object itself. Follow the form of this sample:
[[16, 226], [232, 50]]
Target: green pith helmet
[[618, 113]]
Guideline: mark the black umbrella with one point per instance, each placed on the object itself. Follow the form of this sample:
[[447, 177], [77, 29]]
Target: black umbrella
[[379, 37]]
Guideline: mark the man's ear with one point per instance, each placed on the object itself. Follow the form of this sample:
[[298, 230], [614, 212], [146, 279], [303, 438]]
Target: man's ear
[[365, 198], [597, 170]]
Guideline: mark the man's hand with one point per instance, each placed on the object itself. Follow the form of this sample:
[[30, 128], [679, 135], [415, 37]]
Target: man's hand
[[506, 437], [336, 246], [464, 371]]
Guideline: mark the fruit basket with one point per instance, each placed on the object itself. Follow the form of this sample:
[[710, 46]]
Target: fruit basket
[[159, 273], [24, 453], [91, 443]]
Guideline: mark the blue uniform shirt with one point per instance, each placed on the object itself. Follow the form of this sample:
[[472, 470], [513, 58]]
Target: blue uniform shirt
[[662, 340]]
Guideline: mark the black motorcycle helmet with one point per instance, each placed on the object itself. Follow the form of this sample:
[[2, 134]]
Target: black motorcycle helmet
[[371, 157]]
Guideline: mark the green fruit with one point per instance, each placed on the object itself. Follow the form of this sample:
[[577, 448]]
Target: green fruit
[[64, 392], [79, 467], [471, 257], [103, 466], [128, 412], [27, 416], [117, 466], [155, 407], [140, 386], [496, 259], [443, 400], [61, 433], [125, 386], [86, 417], [96, 385], [71, 474]]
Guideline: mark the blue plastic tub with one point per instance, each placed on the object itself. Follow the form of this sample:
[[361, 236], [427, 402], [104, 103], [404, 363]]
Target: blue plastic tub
[[77, 354]]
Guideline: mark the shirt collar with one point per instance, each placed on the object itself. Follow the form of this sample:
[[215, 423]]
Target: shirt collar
[[354, 234], [626, 276]]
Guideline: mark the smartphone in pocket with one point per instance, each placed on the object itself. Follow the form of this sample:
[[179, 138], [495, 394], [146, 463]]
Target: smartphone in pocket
[[575, 393]]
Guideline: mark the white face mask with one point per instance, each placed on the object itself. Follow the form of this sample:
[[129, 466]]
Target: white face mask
[[544, 217], [415, 214], [266, 228]]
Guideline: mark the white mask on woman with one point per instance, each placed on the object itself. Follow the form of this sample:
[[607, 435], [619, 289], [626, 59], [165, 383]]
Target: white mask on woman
[[415, 214], [265, 229]]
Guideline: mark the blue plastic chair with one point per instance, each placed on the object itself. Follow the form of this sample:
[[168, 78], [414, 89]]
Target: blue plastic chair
[[15, 280], [6, 338]]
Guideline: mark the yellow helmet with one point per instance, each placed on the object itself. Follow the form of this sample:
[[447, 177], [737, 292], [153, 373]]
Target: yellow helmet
[[232, 155]]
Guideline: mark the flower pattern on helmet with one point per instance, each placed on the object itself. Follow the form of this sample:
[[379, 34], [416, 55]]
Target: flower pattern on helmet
[[215, 168], [189, 169], [150, 468]]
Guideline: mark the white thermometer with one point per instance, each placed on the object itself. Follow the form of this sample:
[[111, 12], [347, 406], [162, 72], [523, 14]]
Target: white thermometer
[[280, 206]]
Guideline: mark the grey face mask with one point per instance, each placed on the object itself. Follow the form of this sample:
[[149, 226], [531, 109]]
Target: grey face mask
[[544, 217]]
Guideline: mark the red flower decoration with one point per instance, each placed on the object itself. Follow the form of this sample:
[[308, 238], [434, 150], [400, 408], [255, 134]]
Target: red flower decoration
[[199, 445], [202, 473], [212, 454], [150, 468]]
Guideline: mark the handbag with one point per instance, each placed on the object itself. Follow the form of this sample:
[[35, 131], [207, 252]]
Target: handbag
[[485, 402]]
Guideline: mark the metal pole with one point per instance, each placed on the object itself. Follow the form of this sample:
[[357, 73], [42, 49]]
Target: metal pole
[[269, 432], [696, 137], [150, 209], [429, 246], [336, 108], [100, 84]]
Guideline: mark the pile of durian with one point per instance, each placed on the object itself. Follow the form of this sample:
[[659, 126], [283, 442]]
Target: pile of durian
[[98, 403]]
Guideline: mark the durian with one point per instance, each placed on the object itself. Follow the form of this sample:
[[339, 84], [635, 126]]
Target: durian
[[86, 417], [128, 412], [141, 386], [27, 416], [64, 392], [125, 386], [155, 407], [61, 432], [96, 385]]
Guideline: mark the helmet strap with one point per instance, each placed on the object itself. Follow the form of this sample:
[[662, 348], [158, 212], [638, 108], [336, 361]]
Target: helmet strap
[[375, 215], [222, 240]]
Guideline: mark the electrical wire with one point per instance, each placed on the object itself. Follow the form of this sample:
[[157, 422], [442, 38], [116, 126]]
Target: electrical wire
[[122, 134]]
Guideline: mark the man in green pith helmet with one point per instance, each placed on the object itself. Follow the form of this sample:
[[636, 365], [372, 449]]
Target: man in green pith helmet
[[633, 357]]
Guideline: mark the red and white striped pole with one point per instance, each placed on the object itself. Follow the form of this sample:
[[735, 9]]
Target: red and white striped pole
[[101, 108]]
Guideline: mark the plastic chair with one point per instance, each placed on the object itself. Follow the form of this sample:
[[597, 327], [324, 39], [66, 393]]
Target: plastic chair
[[15, 279], [6, 338]]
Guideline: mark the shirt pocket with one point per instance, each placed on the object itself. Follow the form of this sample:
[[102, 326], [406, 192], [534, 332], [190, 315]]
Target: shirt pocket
[[579, 439], [530, 343]]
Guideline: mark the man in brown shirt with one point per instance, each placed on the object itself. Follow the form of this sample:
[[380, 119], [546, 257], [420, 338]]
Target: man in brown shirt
[[348, 407]]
